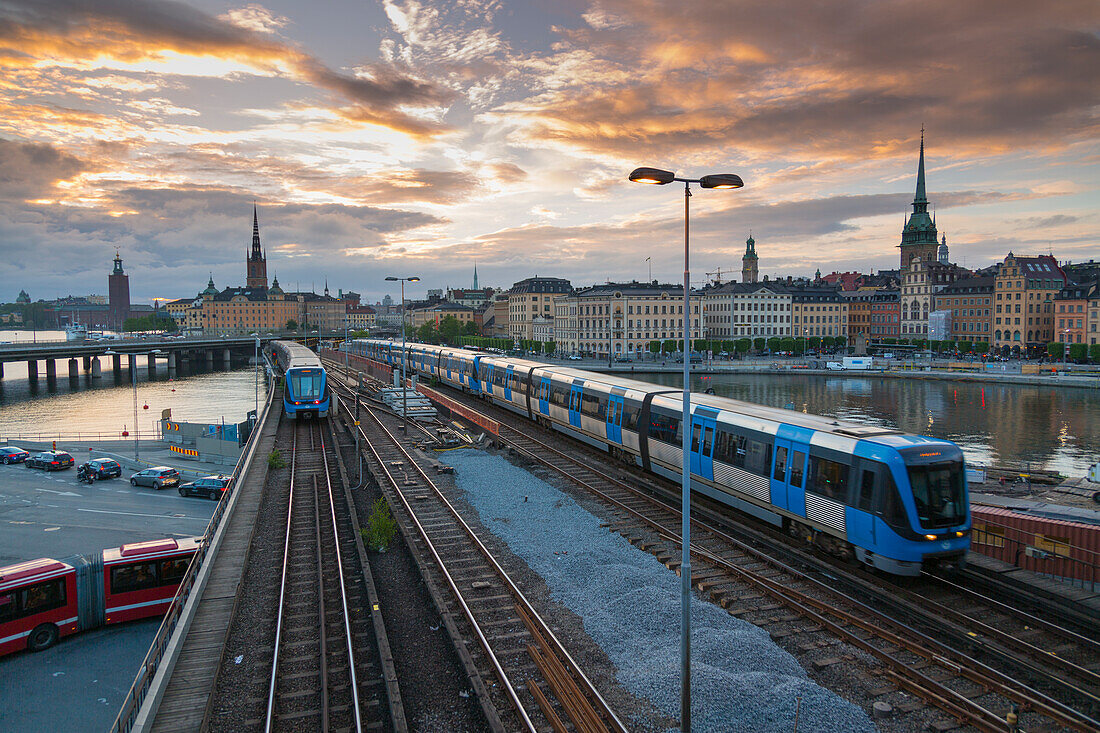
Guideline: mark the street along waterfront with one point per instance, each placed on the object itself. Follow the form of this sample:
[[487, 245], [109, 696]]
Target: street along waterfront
[[1044, 426]]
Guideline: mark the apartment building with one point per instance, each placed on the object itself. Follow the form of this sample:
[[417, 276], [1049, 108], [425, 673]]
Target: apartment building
[[737, 310], [968, 308], [533, 297], [1023, 305]]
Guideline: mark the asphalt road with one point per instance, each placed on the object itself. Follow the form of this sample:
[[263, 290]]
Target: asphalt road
[[78, 685], [53, 515]]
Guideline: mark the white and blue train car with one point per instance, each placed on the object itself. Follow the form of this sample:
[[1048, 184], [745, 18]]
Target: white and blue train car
[[306, 393], [893, 501]]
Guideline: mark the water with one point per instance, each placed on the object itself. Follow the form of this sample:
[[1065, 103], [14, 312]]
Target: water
[[86, 408], [1044, 426]]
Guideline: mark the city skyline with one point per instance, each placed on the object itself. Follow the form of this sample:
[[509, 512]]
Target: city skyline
[[402, 137]]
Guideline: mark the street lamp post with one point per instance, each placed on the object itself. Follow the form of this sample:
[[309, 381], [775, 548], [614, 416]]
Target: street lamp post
[[726, 180], [1065, 349], [404, 389]]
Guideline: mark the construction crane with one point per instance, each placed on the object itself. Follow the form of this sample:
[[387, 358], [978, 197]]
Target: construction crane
[[718, 275]]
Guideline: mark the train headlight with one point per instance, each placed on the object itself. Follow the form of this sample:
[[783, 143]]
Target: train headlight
[[960, 533], [930, 537]]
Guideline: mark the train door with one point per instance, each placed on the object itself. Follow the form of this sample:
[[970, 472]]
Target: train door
[[703, 426], [615, 419], [790, 463], [544, 396], [509, 373], [575, 393], [859, 520]]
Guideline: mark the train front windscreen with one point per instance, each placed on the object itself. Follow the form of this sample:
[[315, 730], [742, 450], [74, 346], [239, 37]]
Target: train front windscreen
[[306, 384], [938, 480]]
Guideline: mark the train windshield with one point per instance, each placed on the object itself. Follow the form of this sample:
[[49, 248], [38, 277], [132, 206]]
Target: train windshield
[[305, 385], [938, 494]]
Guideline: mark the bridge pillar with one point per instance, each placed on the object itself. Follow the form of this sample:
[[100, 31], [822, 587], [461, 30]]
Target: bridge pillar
[[131, 364], [151, 363], [116, 363], [97, 370], [88, 363], [210, 359], [172, 356], [226, 361], [1, 370], [32, 370], [74, 372]]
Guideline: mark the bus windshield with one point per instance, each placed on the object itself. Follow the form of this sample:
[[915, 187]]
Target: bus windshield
[[305, 385], [938, 494]]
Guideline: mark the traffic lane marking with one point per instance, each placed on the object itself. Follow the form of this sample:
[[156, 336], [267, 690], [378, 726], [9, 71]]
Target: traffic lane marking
[[136, 514]]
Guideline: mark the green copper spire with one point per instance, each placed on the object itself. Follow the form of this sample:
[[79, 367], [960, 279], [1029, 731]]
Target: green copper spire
[[920, 198], [920, 229]]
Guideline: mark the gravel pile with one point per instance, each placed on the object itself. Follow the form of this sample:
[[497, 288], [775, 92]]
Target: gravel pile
[[630, 604]]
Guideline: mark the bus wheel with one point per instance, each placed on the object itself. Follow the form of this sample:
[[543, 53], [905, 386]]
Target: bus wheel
[[43, 637]]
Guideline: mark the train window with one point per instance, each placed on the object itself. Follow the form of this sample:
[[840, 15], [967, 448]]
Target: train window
[[708, 442], [758, 457], [828, 478], [664, 427], [780, 464], [695, 431], [173, 569], [730, 449], [938, 493], [866, 490], [590, 405], [798, 460], [40, 597], [558, 394], [893, 510], [139, 576], [601, 406], [631, 413]]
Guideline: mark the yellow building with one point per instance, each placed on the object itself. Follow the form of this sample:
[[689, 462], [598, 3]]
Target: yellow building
[[1023, 302]]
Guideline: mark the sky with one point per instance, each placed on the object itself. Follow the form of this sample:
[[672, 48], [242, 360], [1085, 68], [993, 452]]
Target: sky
[[409, 137]]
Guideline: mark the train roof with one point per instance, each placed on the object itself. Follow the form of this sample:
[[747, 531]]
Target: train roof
[[297, 355], [151, 549]]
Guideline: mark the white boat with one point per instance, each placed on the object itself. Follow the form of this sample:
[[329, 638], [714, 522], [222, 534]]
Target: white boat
[[76, 332]]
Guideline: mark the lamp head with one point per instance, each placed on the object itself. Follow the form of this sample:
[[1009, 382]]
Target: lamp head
[[393, 279], [721, 180], [652, 175], [413, 279]]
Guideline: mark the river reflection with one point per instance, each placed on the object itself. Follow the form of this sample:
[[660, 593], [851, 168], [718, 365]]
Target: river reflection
[[1047, 427]]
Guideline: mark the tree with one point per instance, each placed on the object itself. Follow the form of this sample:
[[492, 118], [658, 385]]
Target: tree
[[699, 345], [758, 343], [773, 344], [841, 341], [1094, 353], [786, 344], [982, 347], [428, 333], [743, 345], [1078, 352], [828, 342], [150, 323], [890, 341], [655, 347], [292, 325], [549, 347], [798, 346], [815, 342], [450, 329], [669, 346], [1054, 348], [469, 328], [966, 346]]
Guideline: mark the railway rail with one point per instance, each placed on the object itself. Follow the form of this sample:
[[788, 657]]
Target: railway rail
[[523, 675], [950, 665], [325, 672]]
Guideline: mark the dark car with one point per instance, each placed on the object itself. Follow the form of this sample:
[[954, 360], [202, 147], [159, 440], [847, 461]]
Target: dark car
[[11, 454], [623, 359], [51, 460], [159, 477], [209, 486], [105, 468]]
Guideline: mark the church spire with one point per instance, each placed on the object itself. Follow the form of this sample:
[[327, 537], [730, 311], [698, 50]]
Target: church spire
[[475, 275], [256, 253], [921, 197], [256, 264]]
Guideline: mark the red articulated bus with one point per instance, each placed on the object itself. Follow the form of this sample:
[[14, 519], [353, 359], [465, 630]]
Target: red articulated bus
[[43, 600]]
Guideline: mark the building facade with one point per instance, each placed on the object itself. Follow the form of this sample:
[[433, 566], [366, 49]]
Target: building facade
[[818, 311], [533, 297], [622, 318], [1077, 313], [1023, 305], [969, 305], [748, 309], [118, 296], [920, 282]]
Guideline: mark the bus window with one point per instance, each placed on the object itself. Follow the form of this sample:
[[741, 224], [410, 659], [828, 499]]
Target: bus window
[[42, 597], [139, 576], [172, 570]]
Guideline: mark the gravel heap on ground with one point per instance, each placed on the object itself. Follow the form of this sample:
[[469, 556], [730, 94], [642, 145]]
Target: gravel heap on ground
[[630, 604]]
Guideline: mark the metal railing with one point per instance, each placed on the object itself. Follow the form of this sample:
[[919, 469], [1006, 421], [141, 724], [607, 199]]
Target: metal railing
[[129, 437], [131, 704]]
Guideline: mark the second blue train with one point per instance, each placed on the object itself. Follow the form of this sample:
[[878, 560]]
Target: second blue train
[[307, 393], [893, 501]]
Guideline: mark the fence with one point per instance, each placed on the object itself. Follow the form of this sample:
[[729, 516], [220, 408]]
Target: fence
[[1055, 549]]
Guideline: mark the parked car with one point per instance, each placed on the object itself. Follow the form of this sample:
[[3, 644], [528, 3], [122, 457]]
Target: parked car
[[105, 468], [209, 486], [11, 454], [573, 357], [158, 477], [51, 460], [624, 359]]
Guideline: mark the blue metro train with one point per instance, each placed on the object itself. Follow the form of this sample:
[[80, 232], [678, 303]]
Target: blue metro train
[[893, 501], [307, 392]]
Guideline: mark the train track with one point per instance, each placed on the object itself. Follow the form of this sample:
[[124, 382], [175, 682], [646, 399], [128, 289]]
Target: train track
[[326, 673], [523, 675], [939, 665]]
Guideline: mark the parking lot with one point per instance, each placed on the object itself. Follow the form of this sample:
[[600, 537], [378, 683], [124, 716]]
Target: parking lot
[[53, 515]]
